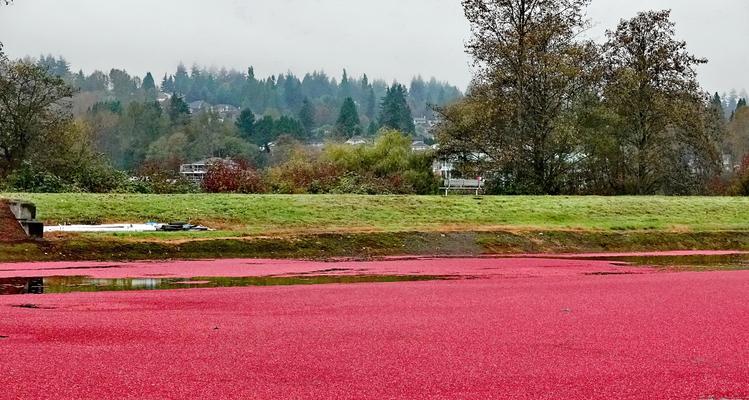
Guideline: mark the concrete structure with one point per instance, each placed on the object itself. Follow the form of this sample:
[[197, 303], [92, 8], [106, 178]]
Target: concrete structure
[[25, 214]]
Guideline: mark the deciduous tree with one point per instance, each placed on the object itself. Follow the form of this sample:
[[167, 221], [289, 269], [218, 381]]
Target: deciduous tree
[[531, 65], [32, 105], [664, 133]]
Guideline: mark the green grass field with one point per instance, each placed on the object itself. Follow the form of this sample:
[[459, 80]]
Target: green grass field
[[251, 215], [323, 227]]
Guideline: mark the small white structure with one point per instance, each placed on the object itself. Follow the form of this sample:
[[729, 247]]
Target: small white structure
[[356, 141]]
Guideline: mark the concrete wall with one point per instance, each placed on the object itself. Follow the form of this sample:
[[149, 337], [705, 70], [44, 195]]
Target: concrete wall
[[25, 214]]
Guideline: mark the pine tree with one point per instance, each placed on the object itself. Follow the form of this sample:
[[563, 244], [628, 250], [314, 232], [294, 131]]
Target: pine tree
[[289, 126], [370, 103], [167, 84], [182, 81], [395, 113], [246, 124], [179, 112], [348, 121], [292, 92], [148, 82], [717, 104], [741, 104], [372, 129], [307, 115], [345, 86], [263, 135], [149, 87]]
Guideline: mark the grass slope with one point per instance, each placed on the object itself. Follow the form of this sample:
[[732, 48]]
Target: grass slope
[[369, 226], [273, 214]]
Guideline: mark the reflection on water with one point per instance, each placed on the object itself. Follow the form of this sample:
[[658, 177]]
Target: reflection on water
[[71, 284], [730, 262]]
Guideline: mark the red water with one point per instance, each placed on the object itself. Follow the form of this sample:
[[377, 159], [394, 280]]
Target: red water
[[526, 329]]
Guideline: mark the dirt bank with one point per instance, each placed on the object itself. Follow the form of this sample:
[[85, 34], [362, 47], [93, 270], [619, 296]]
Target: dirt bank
[[10, 229], [371, 245]]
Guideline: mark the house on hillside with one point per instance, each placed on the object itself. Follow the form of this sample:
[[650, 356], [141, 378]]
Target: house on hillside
[[418, 146], [196, 107], [226, 111], [196, 171]]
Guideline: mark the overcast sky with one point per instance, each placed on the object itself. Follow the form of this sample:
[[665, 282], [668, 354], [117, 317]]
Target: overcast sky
[[389, 39]]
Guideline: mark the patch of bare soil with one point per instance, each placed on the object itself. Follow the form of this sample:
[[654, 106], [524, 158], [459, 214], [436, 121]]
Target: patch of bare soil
[[10, 229]]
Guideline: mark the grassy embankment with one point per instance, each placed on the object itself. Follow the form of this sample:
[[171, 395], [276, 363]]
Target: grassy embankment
[[361, 226]]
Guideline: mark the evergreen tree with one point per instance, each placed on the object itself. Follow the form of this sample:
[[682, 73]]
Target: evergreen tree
[[263, 135], [394, 112], [717, 104], [731, 102], [148, 82], [167, 84], [741, 104], [370, 103], [348, 121], [177, 106], [149, 87], [289, 126], [345, 87], [307, 115], [246, 124], [372, 129], [182, 81], [292, 92]]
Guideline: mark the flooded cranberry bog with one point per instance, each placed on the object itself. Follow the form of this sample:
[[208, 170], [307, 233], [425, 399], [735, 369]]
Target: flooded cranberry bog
[[664, 325]]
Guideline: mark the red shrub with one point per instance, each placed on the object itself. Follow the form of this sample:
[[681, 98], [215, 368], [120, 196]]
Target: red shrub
[[232, 177]]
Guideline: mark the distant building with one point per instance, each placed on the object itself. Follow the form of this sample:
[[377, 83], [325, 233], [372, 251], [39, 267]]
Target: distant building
[[163, 96], [196, 171], [426, 123], [224, 111], [356, 141], [419, 146], [443, 168], [197, 107]]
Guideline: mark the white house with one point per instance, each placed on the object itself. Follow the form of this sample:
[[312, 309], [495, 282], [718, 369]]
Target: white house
[[196, 171]]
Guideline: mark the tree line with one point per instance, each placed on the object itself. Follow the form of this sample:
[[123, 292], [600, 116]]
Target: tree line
[[550, 112], [63, 131]]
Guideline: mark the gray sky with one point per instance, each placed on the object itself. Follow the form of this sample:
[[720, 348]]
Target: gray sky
[[390, 39]]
